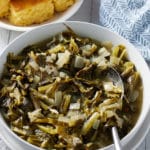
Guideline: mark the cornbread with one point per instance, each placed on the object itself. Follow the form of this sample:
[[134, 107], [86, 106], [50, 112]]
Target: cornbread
[[4, 8], [62, 5], [26, 12]]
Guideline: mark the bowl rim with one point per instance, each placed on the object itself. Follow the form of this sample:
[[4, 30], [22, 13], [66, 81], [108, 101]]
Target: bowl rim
[[72, 10], [138, 124]]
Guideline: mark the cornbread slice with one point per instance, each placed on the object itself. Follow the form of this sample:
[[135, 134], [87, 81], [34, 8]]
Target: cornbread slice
[[26, 12], [4, 8], [62, 5]]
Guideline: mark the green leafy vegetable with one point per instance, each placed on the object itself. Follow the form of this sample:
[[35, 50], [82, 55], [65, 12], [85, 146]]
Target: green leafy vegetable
[[53, 94]]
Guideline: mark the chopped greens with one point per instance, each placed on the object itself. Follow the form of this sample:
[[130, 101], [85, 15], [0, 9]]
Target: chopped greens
[[53, 94]]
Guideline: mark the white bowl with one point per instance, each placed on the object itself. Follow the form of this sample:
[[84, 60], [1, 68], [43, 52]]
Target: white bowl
[[138, 133], [58, 17]]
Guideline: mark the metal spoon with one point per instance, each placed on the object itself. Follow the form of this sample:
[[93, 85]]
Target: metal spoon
[[114, 76], [116, 139]]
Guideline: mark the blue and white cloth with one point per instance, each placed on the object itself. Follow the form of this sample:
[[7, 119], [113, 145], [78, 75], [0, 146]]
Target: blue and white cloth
[[129, 18]]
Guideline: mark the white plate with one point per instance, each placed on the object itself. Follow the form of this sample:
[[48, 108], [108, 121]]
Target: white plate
[[58, 17]]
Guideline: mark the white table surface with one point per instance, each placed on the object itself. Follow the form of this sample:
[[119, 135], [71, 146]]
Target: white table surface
[[88, 12]]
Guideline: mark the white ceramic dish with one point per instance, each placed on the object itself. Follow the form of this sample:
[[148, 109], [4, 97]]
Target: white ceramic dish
[[57, 18], [137, 134]]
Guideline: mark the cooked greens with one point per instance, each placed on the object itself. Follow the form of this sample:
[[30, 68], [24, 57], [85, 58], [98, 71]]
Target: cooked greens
[[54, 94]]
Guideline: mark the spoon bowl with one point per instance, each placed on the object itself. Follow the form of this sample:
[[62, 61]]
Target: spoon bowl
[[113, 76]]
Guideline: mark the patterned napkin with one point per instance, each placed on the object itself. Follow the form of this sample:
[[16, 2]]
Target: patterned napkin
[[129, 18]]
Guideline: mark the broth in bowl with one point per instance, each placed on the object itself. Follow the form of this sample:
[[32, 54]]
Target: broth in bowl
[[53, 94]]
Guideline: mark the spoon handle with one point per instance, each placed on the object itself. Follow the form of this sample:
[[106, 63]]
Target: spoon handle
[[116, 139]]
